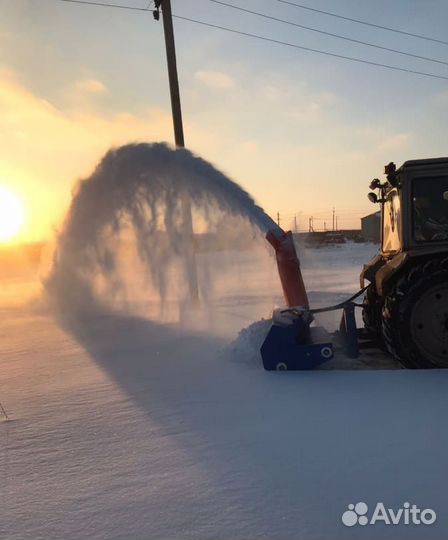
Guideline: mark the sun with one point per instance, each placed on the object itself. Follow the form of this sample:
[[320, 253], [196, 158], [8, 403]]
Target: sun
[[11, 214]]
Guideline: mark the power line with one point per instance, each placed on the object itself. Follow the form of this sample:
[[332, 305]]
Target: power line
[[318, 51], [338, 36], [359, 21], [103, 4], [266, 39]]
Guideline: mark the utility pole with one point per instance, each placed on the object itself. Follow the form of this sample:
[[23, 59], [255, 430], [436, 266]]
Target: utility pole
[[172, 68], [278, 219], [295, 223], [336, 222], [178, 137], [333, 217]]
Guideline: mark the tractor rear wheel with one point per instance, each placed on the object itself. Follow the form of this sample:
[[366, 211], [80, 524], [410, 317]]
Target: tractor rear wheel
[[415, 316]]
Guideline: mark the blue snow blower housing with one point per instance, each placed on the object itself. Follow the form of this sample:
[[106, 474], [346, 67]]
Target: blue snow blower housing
[[292, 344]]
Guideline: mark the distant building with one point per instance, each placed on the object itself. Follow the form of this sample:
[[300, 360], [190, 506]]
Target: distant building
[[371, 227]]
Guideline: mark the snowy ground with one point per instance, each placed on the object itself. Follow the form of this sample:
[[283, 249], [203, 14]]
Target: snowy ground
[[122, 427]]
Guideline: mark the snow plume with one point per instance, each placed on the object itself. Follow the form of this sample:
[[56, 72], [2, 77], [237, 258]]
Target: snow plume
[[129, 216]]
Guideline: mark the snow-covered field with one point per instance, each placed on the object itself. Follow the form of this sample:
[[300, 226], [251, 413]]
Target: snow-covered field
[[123, 427]]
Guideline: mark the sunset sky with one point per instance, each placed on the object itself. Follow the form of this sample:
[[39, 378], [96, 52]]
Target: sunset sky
[[302, 132]]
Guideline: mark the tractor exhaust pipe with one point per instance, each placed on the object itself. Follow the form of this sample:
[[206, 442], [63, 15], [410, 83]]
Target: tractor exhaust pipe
[[288, 268]]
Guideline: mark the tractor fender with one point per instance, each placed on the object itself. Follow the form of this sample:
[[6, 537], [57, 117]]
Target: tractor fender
[[389, 270], [370, 269]]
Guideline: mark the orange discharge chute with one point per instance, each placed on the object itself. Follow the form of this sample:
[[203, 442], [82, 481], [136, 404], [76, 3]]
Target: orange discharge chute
[[288, 267]]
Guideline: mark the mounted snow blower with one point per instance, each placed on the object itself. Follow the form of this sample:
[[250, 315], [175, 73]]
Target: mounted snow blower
[[405, 308], [291, 343]]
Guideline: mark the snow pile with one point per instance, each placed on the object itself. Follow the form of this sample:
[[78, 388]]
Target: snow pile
[[246, 347]]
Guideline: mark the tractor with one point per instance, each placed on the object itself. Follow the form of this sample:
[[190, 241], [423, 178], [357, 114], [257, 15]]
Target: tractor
[[405, 307], [406, 303]]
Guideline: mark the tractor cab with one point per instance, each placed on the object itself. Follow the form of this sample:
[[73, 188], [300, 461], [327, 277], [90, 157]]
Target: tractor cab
[[414, 217], [414, 203]]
